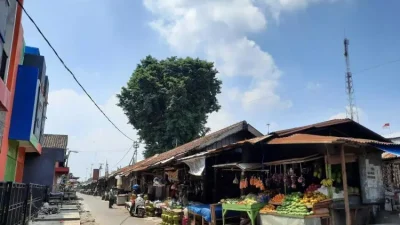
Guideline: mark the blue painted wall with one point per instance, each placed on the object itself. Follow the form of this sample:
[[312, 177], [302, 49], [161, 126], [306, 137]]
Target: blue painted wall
[[25, 99], [39, 169], [32, 50]]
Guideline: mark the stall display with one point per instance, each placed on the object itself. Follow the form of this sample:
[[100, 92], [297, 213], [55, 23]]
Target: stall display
[[268, 208], [248, 204], [293, 206], [277, 199], [171, 217], [311, 198]]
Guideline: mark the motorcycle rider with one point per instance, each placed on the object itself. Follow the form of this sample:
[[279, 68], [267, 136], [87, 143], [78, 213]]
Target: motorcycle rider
[[135, 191]]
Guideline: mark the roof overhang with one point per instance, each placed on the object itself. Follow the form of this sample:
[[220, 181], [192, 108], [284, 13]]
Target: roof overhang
[[62, 170]]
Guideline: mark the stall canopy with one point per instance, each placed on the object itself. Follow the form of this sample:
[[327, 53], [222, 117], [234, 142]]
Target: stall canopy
[[391, 149], [196, 165], [294, 160], [241, 166]]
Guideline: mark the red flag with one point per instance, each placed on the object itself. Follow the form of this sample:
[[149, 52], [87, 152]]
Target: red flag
[[386, 125]]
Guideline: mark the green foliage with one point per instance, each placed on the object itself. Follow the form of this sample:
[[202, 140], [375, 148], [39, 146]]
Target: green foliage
[[168, 101]]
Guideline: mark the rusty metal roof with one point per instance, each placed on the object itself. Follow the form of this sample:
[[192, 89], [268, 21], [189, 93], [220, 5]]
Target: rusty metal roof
[[316, 125], [387, 155], [55, 141], [317, 139], [199, 143], [137, 165]]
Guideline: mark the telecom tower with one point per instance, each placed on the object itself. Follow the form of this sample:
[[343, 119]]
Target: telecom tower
[[134, 156], [349, 85]]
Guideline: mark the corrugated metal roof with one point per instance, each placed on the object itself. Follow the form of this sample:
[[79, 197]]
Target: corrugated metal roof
[[227, 147], [137, 165], [196, 144], [317, 139], [316, 125], [55, 141]]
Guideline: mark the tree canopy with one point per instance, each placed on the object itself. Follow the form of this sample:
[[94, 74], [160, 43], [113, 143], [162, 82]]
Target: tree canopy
[[168, 101]]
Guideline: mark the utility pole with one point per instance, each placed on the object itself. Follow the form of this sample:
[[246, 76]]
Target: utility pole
[[100, 168], [349, 84], [91, 170], [106, 170], [134, 156], [268, 127]]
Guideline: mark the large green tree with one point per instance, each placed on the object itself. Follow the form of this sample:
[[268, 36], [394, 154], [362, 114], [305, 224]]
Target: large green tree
[[168, 101]]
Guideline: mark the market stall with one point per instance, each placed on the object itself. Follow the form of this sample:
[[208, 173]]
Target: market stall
[[350, 174], [301, 185]]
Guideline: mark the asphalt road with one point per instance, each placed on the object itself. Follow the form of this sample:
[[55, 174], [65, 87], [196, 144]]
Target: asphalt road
[[116, 216]]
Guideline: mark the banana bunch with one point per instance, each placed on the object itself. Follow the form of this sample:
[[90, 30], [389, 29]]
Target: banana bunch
[[327, 182]]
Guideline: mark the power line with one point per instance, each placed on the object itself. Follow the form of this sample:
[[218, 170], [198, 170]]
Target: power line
[[69, 70], [377, 66], [126, 153]]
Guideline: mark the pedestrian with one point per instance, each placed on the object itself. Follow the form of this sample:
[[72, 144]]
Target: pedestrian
[[112, 198]]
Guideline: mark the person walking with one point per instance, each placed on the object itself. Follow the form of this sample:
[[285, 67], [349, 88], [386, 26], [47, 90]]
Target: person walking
[[112, 198]]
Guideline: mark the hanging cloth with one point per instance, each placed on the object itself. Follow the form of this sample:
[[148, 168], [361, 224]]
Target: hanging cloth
[[196, 165], [172, 175]]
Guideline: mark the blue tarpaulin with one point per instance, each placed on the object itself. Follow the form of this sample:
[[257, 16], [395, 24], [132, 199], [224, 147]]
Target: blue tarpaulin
[[393, 149], [205, 212]]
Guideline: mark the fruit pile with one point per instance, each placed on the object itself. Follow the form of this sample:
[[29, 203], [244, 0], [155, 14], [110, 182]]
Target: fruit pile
[[292, 206], [267, 208], [337, 175], [317, 173], [257, 182], [312, 188], [230, 201], [243, 183], [311, 198], [247, 201], [327, 182], [278, 199]]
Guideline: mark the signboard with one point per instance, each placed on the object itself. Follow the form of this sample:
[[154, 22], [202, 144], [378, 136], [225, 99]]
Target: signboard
[[372, 189]]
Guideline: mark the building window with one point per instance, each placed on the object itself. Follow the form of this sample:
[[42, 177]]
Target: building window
[[3, 65], [4, 7]]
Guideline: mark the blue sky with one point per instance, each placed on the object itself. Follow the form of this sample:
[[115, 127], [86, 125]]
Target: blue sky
[[281, 61]]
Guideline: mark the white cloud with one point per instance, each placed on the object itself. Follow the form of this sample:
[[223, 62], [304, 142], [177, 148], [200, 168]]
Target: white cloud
[[97, 140], [219, 30], [276, 7], [362, 115], [313, 86]]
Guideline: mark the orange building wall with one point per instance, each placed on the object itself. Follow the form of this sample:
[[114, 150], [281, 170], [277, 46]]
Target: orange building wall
[[11, 81], [19, 172]]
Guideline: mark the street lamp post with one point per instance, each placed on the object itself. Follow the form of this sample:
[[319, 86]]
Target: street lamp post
[[67, 157]]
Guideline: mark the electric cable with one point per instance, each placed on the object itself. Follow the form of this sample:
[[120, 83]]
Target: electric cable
[[69, 70]]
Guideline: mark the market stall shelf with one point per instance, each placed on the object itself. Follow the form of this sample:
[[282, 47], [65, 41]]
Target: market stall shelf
[[273, 218], [251, 210]]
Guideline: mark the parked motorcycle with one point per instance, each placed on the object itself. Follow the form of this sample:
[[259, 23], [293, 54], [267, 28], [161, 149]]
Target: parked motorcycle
[[138, 209]]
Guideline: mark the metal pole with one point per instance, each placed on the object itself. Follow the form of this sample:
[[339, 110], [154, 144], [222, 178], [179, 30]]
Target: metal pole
[[345, 189], [31, 202]]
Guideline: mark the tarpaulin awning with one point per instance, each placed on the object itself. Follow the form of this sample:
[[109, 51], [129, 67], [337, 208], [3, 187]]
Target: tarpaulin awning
[[196, 165], [392, 149]]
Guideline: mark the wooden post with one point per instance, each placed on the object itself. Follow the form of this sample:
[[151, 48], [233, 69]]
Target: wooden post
[[345, 191], [215, 185], [284, 173], [328, 171]]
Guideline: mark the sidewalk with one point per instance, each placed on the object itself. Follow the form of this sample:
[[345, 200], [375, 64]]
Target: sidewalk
[[68, 214]]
